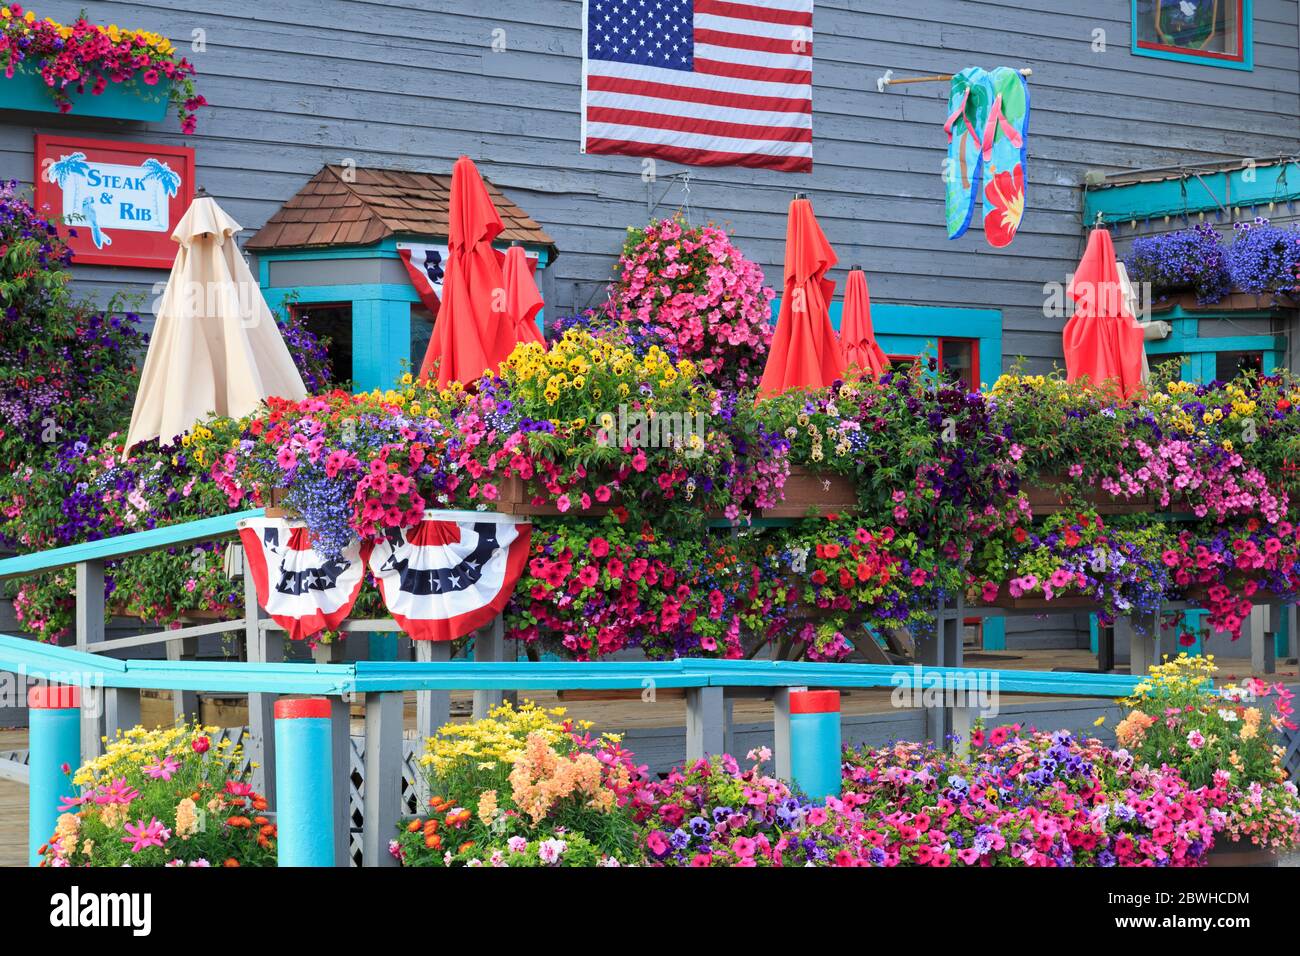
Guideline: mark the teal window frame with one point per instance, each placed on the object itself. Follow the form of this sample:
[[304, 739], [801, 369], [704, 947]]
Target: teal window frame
[[1245, 62], [1202, 351]]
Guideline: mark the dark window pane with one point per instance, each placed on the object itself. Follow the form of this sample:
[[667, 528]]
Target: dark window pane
[[421, 332], [1158, 363], [1228, 365], [957, 357], [333, 322]]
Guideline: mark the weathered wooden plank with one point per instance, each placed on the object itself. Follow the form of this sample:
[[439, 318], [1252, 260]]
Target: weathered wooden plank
[[396, 83]]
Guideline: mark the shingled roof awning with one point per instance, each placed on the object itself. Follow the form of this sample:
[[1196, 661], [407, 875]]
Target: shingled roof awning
[[360, 207]]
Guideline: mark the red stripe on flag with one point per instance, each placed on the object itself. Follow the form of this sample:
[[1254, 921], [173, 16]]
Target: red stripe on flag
[[743, 71], [705, 127], [750, 11], [700, 157], [737, 41], [695, 94]]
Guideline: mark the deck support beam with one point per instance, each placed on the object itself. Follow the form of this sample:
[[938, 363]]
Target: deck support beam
[[943, 649], [781, 745], [706, 732], [1265, 621], [90, 621], [489, 645], [185, 703], [1143, 633], [432, 707], [340, 756], [383, 776], [265, 647]]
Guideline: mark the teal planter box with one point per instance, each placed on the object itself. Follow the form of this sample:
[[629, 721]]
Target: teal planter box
[[25, 90]]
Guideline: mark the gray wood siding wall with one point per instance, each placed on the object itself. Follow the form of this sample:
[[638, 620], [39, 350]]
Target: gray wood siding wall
[[411, 84]]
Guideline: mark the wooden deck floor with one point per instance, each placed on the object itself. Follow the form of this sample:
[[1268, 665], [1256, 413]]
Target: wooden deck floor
[[13, 807], [619, 715]]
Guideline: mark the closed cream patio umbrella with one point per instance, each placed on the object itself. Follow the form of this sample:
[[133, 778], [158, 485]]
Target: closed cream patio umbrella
[[215, 348]]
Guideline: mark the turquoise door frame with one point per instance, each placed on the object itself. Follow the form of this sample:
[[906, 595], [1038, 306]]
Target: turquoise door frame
[[1202, 351], [381, 312]]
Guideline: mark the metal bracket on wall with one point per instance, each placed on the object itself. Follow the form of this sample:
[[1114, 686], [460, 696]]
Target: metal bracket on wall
[[887, 80]]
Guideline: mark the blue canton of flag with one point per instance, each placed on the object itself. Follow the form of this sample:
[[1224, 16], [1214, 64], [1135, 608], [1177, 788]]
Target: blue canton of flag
[[702, 82], [647, 32]]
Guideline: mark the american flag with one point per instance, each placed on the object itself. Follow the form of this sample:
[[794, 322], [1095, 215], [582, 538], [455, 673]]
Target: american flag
[[700, 82]]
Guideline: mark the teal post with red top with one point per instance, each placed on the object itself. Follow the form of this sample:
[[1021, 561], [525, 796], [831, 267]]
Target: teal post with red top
[[304, 789], [54, 728], [815, 742]]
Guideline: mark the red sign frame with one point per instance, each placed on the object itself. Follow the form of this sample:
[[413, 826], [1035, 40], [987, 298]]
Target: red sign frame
[[126, 247]]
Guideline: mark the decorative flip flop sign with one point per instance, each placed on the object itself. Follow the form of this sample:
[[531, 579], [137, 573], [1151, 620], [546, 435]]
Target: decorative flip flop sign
[[988, 131], [117, 203]]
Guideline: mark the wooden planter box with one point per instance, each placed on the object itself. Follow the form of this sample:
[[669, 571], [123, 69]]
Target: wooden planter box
[[814, 494], [515, 498], [1048, 495], [1227, 853], [1070, 602], [205, 615], [25, 90], [1233, 302]]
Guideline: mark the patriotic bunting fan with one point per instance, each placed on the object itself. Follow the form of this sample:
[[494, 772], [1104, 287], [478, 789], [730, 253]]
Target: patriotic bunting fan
[[302, 590], [426, 266], [452, 573]]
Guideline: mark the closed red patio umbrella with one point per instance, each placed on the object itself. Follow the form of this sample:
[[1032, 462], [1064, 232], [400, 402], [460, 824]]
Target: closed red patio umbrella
[[469, 337], [1102, 340], [805, 352], [857, 337], [523, 301]]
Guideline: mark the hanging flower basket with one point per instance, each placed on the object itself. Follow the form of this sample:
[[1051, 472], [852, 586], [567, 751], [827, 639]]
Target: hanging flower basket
[[1233, 302], [132, 100], [814, 494], [92, 70]]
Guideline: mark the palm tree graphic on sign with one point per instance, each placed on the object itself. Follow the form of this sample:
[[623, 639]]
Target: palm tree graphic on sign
[[71, 173], [156, 169]]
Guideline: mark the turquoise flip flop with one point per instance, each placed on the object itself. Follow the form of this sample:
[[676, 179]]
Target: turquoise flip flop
[[1004, 151], [968, 103]]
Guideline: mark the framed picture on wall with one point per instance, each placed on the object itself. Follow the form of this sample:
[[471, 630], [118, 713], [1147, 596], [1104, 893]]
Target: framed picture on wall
[[1212, 32]]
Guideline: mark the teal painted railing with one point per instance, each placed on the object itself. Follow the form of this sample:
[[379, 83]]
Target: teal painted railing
[[121, 546], [68, 666]]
